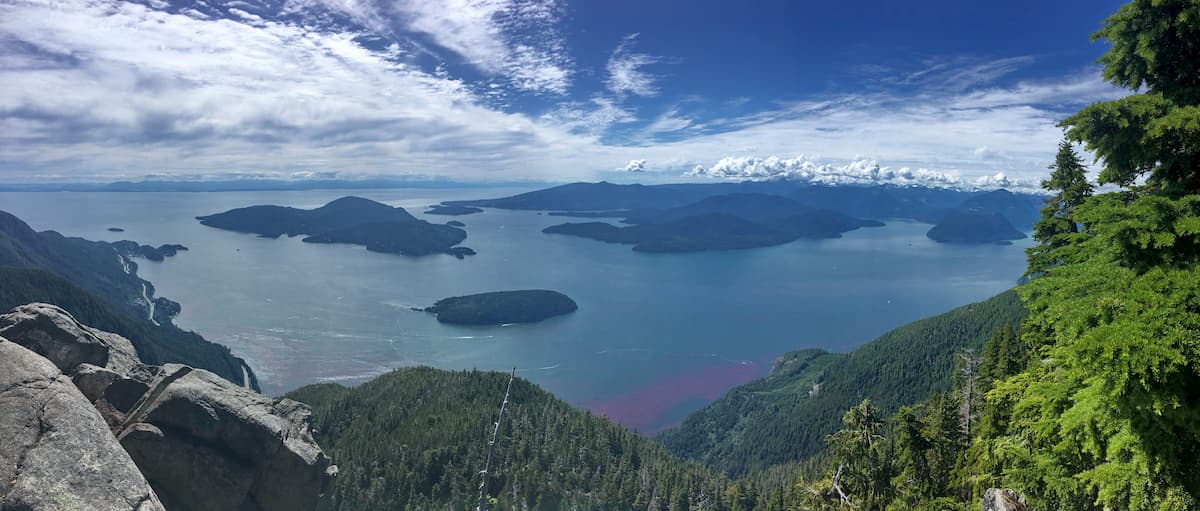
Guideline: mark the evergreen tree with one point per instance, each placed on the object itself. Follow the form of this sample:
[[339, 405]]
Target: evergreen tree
[[1068, 182], [1155, 48]]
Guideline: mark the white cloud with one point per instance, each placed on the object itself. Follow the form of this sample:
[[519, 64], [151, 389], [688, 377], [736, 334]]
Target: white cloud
[[635, 166], [670, 121], [514, 38], [858, 171], [625, 75], [107, 89]]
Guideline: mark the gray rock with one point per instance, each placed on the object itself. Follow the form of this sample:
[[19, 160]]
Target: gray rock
[[207, 444], [202, 442], [54, 334], [57, 453], [1003, 499]]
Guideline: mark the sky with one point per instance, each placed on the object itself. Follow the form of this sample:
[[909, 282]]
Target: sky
[[940, 92]]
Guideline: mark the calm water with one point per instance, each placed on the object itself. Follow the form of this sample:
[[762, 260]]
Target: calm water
[[656, 335]]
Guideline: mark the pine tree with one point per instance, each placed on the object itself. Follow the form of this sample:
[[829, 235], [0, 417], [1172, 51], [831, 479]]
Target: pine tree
[[1070, 187]]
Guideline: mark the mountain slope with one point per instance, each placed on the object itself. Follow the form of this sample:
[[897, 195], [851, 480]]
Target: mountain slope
[[416, 439], [91, 275], [785, 416]]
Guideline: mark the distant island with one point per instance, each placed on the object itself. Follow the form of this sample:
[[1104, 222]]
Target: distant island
[[115, 229], [970, 228], [130, 248], [877, 202], [722, 222], [502, 307], [452, 210], [726, 216], [456, 223], [352, 220]]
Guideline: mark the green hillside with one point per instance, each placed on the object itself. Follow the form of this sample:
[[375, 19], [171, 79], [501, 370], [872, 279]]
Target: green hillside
[[786, 416], [416, 438]]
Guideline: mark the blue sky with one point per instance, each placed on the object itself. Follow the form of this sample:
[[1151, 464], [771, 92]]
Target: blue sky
[[948, 93]]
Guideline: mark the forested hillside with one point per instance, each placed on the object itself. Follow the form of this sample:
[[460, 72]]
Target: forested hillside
[[91, 275], [416, 439], [1095, 405], [786, 416], [155, 344]]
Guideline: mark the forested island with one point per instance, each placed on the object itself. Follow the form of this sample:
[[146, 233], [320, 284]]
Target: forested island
[[352, 220], [722, 222], [452, 210], [502, 307], [130, 248], [969, 228], [728, 216]]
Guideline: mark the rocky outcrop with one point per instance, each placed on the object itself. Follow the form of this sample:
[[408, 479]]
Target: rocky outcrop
[[201, 442], [257, 453], [1003, 499], [54, 334], [57, 453]]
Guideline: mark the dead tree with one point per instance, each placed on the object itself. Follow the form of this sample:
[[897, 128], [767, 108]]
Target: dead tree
[[482, 505]]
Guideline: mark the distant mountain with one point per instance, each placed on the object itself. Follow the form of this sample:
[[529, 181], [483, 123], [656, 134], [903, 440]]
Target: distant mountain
[[971, 228], [417, 438], [502, 307], [722, 222], [881, 202], [595, 196], [354, 220], [785, 416], [93, 281], [1020, 210]]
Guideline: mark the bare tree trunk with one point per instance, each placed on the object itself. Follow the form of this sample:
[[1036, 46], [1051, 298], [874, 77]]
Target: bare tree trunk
[[482, 504]]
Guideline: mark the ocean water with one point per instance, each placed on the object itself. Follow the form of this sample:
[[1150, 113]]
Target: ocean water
[[656, 335]]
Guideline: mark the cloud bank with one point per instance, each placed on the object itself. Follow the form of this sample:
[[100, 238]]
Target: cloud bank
[[858, 172]]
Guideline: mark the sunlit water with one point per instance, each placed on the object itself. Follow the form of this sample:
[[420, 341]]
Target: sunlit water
[[656, 335]]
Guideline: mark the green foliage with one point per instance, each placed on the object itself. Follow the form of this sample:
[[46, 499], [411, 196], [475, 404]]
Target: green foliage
[[1156, 45], [1068, 181], [786, 416], [415, 439], [1106, 418]]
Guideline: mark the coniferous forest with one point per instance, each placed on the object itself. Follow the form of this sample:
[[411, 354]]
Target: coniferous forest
[[1088, 398]]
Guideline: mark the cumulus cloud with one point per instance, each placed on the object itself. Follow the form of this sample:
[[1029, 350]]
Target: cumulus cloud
[[858, 171], [635, 166], [625, 74]]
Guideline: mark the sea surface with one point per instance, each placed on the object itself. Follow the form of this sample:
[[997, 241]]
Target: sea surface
[[655, 336]]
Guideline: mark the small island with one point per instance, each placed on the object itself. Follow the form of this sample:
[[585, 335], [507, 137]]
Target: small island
[[502, 307], [115, 229], [455, 223], [129, 249], [452, 210], [972, 229]]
